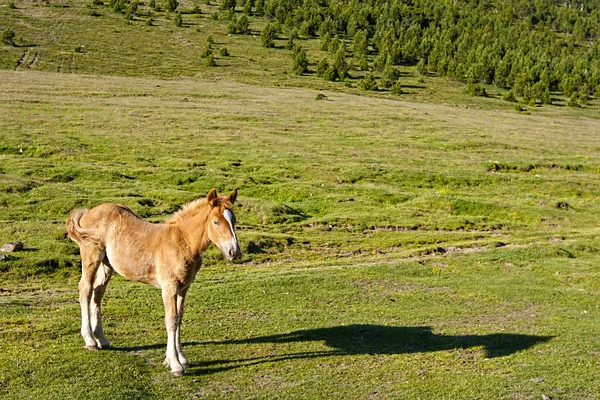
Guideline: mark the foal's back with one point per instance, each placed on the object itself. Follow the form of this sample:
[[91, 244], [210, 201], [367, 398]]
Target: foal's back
[[133, 246]]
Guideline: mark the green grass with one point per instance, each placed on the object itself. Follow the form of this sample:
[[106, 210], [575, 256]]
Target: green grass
[[428, 245]]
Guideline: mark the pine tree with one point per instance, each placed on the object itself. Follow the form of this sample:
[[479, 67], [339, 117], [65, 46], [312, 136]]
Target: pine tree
[[243, 24], [334, 44], [171, 5], [363, 64], [231, 27], [289, 45], [267, 36], [322, 67], [300, 65], [325, 41], [330, 74], [360, 44], [228, 4], [339, 63], [259, 6], [390, 74], [248, 7]]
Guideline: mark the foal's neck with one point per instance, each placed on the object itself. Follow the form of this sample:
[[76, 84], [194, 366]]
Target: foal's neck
[[194, 231]]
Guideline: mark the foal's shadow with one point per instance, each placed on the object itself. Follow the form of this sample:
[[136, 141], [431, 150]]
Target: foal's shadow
[[370, 340]]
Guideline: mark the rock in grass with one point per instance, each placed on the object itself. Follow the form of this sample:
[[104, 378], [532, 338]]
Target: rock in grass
[[12, 246], [4, 257]]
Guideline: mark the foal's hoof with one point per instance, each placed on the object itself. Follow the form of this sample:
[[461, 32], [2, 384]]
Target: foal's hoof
[[91, 347], [105, 346], [177, 373]]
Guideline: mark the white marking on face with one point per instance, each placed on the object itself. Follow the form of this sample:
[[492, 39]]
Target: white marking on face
[[228, 215]]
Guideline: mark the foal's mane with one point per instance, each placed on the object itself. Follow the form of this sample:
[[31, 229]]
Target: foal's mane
[[195, 206]]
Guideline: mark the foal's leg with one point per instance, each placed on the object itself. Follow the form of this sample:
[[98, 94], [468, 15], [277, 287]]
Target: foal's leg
[[90, 260], [180, 299], [103, 275], [169, 294]]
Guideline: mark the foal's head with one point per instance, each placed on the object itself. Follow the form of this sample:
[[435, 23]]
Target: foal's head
[[221, 224]]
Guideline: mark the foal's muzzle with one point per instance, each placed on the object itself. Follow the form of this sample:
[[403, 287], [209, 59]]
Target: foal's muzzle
[[233, 253]]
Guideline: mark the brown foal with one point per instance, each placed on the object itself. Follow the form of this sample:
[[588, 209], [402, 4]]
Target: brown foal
[[112, 238]]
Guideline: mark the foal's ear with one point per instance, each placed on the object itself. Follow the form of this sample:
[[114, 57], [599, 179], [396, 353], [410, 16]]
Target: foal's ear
[[233, 196], [212, 198]]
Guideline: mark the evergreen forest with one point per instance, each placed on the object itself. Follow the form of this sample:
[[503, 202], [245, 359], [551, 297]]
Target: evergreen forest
[[531, 47]]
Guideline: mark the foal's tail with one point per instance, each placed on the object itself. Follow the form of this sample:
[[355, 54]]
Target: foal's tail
[[76, 232]]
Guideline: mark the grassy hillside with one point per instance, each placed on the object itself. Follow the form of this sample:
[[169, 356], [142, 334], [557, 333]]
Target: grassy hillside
[[427, 245]]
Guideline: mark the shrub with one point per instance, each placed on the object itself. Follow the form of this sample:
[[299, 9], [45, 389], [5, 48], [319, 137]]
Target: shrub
[[509, 96], [583, 94], [210, 61], [368, 82], [289, 45], [178, 20], [475, 89], [8, 37], [207, 51], [117, 5], [573, 100], [229, 15], [422, 67], [131, 10], [397, 87]]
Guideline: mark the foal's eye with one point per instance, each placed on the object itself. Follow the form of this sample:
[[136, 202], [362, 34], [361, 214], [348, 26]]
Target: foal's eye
[[216, 222]]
